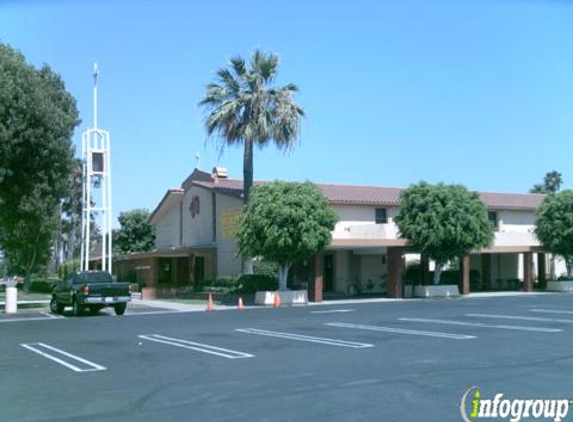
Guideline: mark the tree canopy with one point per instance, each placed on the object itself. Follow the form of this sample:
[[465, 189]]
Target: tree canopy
[[551, 183], [37, 120], [244, 107], [443, 222], [554, 226], [135, 233], [285, 222]]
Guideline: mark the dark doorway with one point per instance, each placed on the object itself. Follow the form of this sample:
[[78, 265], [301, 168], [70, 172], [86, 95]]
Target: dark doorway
[[199, 269], [165, 273], [328, 275]]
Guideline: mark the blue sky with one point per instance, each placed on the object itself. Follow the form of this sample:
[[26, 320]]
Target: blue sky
[[468, 91]]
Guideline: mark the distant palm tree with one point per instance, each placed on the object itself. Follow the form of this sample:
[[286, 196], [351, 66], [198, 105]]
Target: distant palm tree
[[244, 107]]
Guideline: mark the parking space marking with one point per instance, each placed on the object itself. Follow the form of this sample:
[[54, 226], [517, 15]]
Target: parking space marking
[[49, 315], [521, 318], [552, 311], [480, 325], [393, 330], [301, 337], [198, 347], [333, 311], [37, 348], [44, 318]]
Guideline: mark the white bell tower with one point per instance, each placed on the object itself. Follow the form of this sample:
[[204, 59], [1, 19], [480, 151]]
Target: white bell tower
[[96, 190]]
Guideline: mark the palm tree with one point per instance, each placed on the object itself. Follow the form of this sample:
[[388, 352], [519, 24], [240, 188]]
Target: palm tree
[[244, 107]]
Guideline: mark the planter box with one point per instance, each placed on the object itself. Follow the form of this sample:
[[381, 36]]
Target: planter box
[[437, 291], [148, 293], [288, 297], [559, 286]]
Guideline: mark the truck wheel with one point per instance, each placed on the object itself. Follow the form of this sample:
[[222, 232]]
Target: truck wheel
[[77, 308], [55, 307], [120, 308]]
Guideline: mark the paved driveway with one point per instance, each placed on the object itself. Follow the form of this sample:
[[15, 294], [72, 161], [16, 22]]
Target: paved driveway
[[397, 361]]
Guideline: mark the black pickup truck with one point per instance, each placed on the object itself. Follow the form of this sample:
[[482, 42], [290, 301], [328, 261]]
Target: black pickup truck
[[91, 290]]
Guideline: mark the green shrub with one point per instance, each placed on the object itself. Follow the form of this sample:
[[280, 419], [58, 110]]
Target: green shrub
[[221, 284], [251, 283], [68, 268], [41, 286], [267, 268]]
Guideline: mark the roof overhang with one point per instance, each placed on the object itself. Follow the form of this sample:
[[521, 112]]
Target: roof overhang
[[171, 198]]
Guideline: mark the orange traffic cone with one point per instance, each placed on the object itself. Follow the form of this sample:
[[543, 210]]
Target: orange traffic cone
[[277, 302], [210, 304], [240, 306]]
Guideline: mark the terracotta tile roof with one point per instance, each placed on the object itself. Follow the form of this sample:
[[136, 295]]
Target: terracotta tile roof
[[385, 196]]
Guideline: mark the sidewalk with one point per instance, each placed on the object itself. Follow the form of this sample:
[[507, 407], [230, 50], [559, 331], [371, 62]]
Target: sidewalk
[[184, 307]]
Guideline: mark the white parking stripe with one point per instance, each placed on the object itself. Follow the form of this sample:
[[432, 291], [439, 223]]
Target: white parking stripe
[[198, 347], [36, 348], [44, 318], [521, 318], [552, 311], [393, 330], [480, 325], [300, 337], [51, 316], [333, 311]]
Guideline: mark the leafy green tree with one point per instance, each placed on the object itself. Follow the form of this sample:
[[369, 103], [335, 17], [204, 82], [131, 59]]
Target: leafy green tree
[[443, 222], [285, 223], [37, 120], [551, 183], [554, 226], [135, 233]]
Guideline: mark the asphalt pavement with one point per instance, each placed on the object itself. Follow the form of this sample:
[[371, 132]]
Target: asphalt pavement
[[391, 361]]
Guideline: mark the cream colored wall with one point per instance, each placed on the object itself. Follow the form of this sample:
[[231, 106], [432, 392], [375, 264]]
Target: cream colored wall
[[358, 221], [198, 231], [228, 263], [516, 221], [167, 229]]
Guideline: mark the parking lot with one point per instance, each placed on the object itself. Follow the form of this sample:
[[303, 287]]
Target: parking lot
[[395, 361]]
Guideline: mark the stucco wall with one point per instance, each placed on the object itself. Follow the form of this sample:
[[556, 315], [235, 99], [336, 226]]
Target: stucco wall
[[197, 231], [359, 221], [516, 221], [167, 229], [228, 263]]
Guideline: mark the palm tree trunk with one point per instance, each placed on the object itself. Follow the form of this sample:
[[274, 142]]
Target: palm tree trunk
[[247, 170], [247, 184]]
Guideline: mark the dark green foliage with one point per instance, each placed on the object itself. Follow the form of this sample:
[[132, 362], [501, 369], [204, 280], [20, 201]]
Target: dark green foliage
[[554, 226], [68, 268], [244, 107], [443, 222], [285, 222], [221, 284], [252, 283], [37, 120], [551, 183], [135, 233], [264, 267]]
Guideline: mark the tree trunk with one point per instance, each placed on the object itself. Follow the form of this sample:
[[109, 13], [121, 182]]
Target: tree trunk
[[247, 184], [569, 265], [283, 276], [438, 273], [247, 170]]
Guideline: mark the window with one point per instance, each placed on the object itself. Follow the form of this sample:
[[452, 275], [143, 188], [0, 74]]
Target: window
[[492, 217], [381, 217]]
